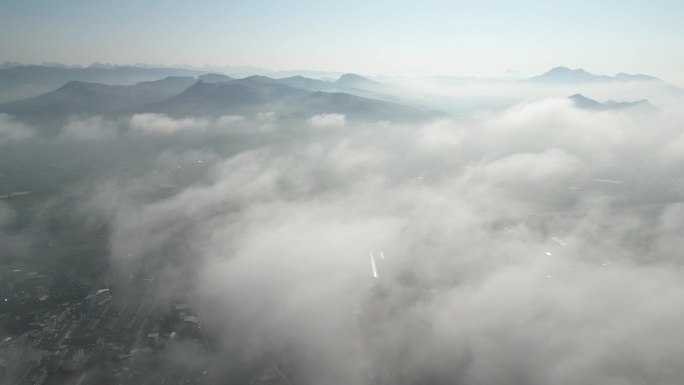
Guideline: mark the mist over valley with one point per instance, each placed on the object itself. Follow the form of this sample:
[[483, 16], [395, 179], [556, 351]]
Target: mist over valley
[[335, 237]]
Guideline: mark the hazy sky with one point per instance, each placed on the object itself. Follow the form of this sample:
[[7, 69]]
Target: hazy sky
[[369, 37]]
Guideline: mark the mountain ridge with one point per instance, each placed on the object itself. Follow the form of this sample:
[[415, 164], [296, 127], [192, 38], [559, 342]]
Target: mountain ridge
[[22, 82], [565, 75], [253, 95], [84, 98], [586, 103], [210, 96]]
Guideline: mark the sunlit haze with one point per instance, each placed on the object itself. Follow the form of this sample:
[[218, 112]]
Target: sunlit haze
[[341, 193], [431, 37]]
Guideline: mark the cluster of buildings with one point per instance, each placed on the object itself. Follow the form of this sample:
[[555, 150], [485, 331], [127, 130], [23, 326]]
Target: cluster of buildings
[[71, 334], [34, 314], [109, 322], [46, 331]]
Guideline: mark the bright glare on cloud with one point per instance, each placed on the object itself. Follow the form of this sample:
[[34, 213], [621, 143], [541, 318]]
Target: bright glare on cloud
[[540, 227], [160, 124], [328, 120], [276, 238], [357, 193]]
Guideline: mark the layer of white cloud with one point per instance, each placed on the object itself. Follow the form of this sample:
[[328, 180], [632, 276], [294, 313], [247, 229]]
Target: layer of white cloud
[[161, 124], [95, 128], [12, 131], [268, 232], [328, 120]]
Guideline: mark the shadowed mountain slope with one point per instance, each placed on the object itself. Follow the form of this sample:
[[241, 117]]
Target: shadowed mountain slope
[[355, 81], [26, 81], [80, 98], [257, 94], [221, 95]]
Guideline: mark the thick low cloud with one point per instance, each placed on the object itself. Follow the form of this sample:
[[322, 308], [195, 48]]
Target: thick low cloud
[[473, 96], [328, 120], [537, 245], [94, 128], [12, 131], [158, 124]]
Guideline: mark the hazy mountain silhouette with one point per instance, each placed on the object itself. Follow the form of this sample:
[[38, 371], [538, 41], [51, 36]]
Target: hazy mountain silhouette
[[307, 83], [245, 71], [81, 98], [564, 75], [348, 83], [355, 81], [209, 99], [21, 82], [26, 81], [255, 94], [584, 102], [567, 75], [214, 78], [637, 77], [214, 95]]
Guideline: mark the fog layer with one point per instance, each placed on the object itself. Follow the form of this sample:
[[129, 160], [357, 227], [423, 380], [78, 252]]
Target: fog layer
[[538, 245]]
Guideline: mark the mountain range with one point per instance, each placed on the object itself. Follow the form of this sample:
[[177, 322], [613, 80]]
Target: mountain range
[[82, 98], [565, 75], [181, 92], [25, 81], [295, 98], [213, 95], [586, 103]]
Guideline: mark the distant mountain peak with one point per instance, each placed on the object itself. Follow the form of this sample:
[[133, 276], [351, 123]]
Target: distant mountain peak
[[566, 69], [638, 77], [249, 96], [561, 70], [586, 103], [354, 80], [214, 78], [566, 75], [259, 78], [79, 98], [578, 97], [75, 86]]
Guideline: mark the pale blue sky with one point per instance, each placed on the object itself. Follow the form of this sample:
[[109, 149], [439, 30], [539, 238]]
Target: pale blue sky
[[369, 37]]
